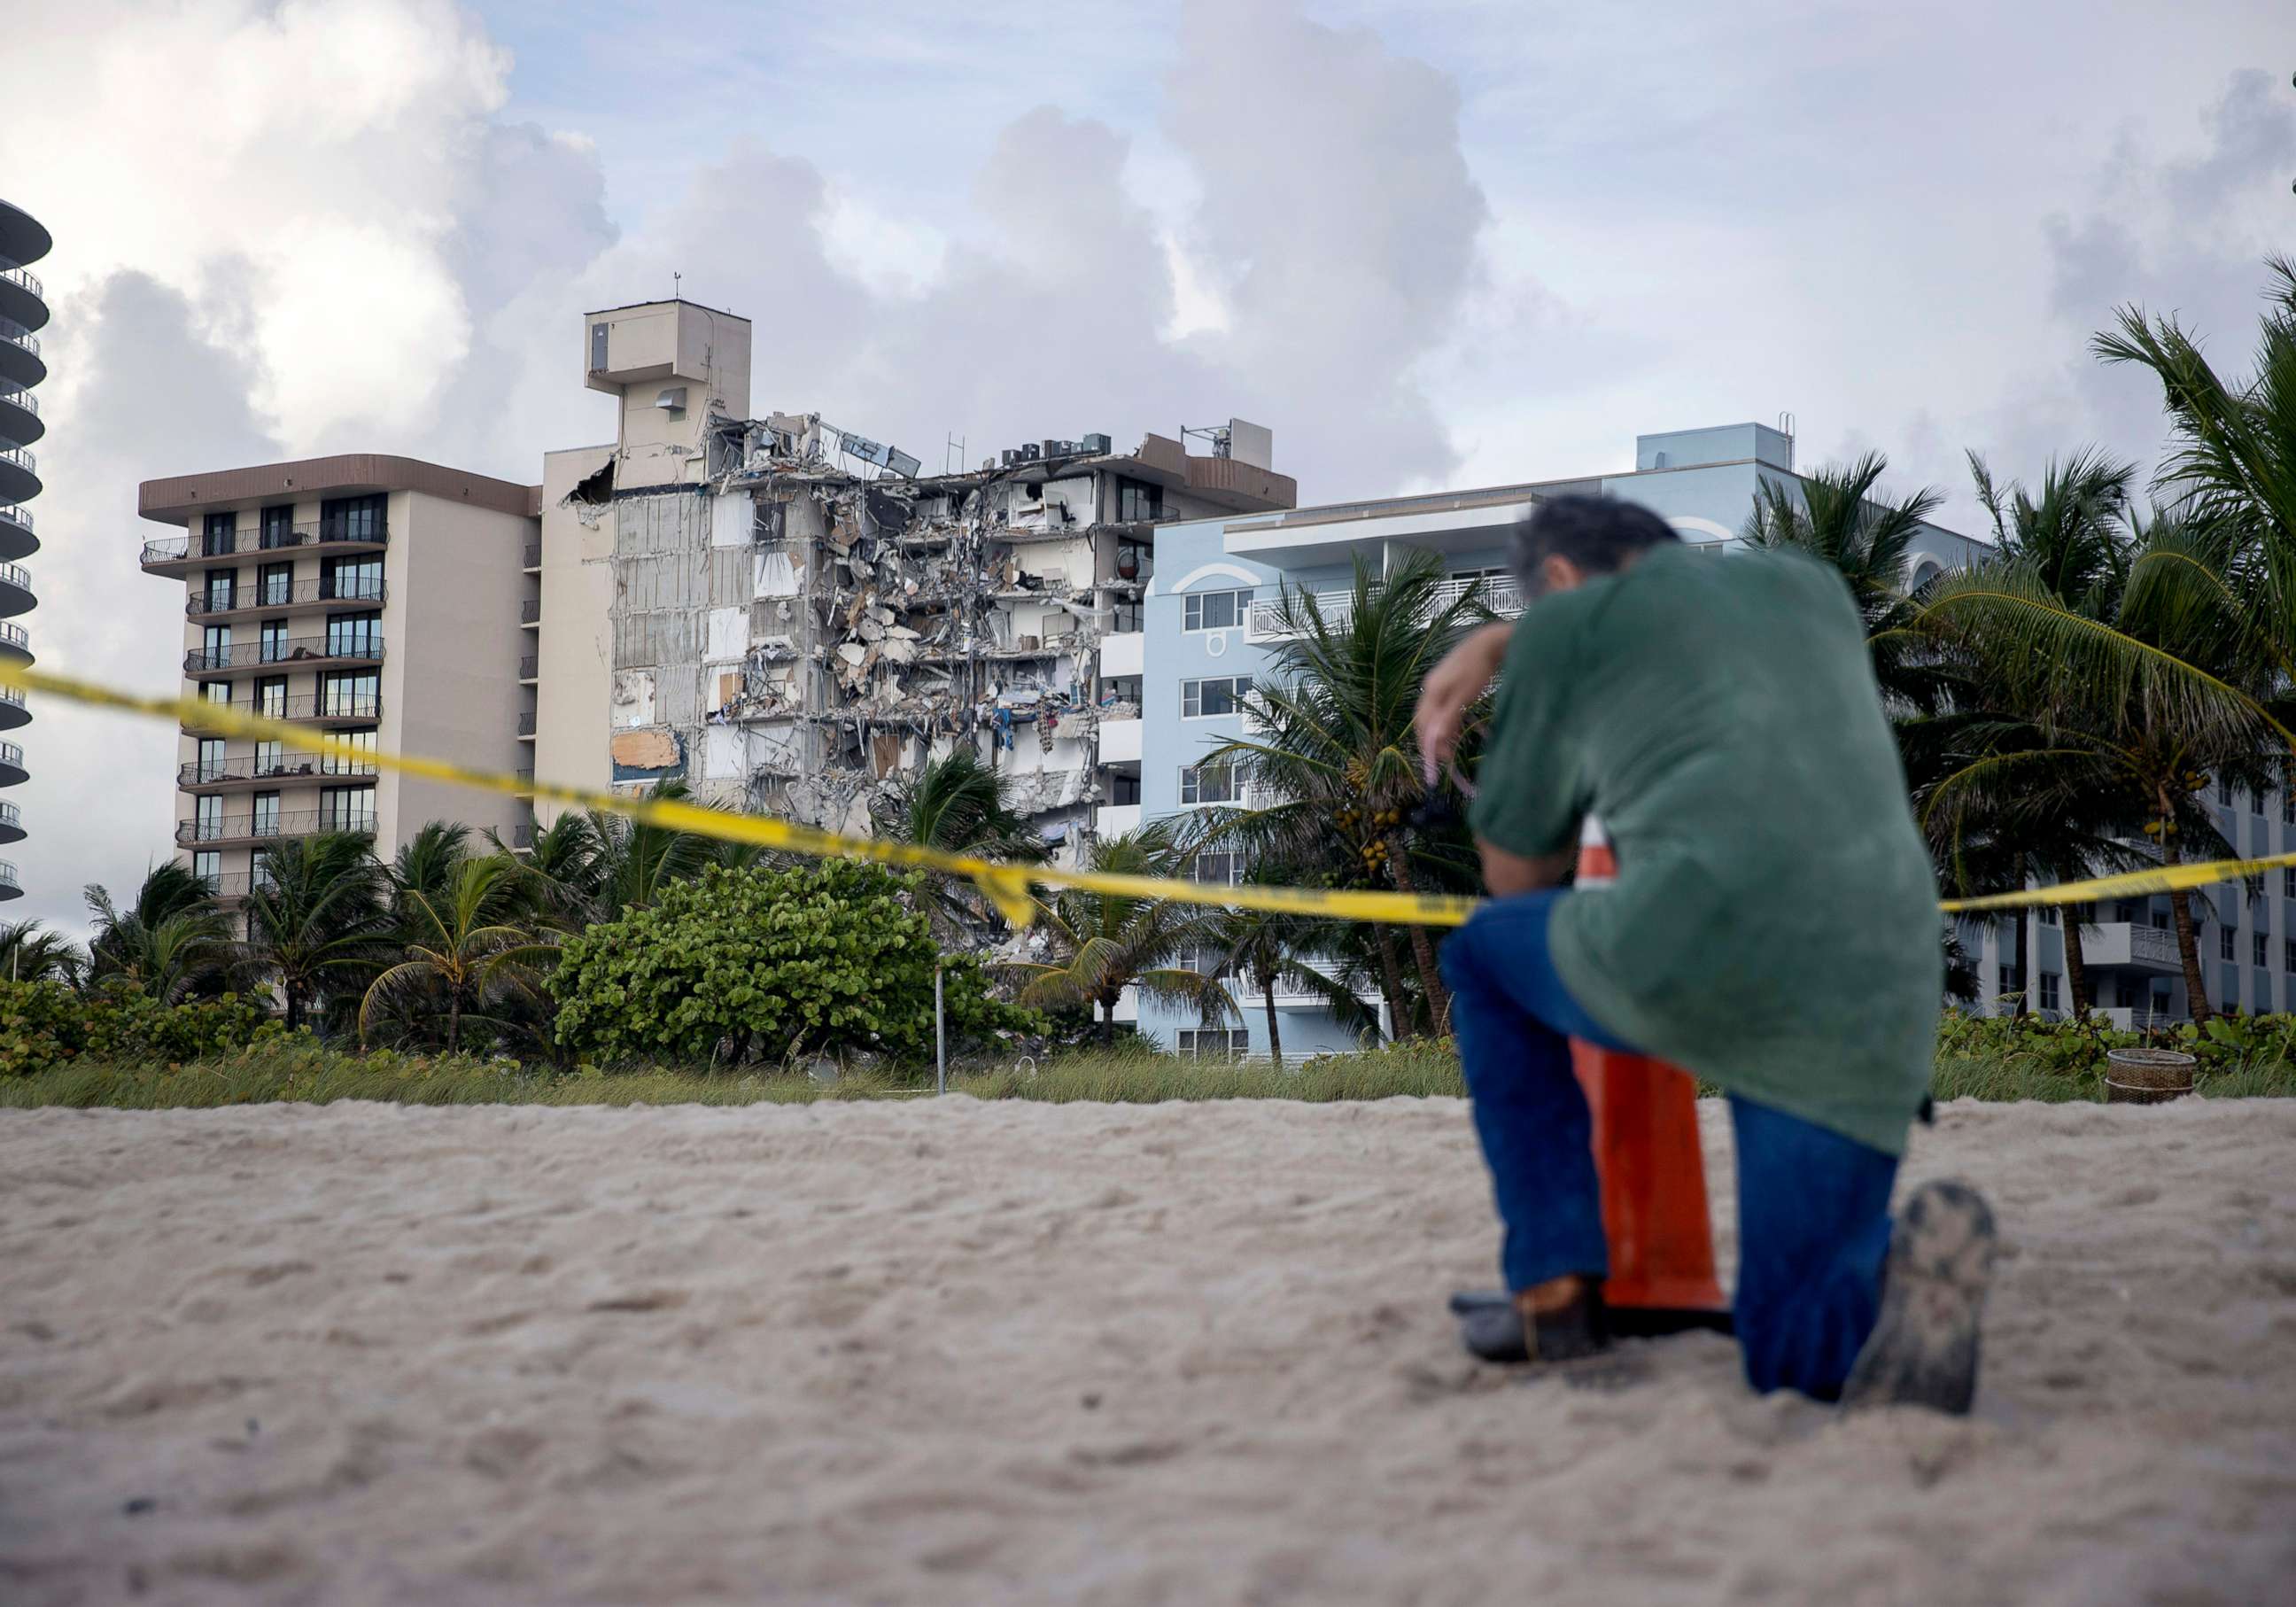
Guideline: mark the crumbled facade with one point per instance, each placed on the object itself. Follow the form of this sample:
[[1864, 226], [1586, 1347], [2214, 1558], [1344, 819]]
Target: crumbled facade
[[796, 626]]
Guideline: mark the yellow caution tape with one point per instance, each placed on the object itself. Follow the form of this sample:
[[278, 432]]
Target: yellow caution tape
[[1007, 886]]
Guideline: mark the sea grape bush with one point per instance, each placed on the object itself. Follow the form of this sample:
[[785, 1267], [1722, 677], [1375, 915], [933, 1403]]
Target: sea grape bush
[[748, 965], [43, 1024]]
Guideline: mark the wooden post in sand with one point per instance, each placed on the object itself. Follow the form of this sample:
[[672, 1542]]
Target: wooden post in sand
[[940, 1040]]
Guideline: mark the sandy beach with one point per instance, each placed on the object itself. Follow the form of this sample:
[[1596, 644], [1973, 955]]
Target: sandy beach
[[1189, 1353]]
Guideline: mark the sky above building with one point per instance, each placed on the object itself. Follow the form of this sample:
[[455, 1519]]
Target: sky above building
[[1428, 244]]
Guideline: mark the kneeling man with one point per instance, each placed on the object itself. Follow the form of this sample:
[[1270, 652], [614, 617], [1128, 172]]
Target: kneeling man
[[1773, 929]]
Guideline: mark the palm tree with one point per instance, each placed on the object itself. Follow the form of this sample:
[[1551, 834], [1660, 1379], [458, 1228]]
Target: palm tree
[[318, 920], [1336, 748], [428, 862], [31, 953], [1836, 515], [1272, 948], [463, 955], [957, 804], [172, 942], [2130, 712], [1103, 944]]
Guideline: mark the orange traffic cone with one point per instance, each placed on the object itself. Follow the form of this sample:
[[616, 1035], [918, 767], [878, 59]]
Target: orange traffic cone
[[1646, 1151]]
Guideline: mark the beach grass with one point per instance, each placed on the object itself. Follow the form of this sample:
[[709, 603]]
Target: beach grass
[[1127, 1074]]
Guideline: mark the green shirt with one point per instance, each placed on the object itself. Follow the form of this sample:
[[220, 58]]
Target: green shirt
[[1775, 926]]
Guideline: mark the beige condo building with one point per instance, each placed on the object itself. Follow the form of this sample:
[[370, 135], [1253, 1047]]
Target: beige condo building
[[378, 599]]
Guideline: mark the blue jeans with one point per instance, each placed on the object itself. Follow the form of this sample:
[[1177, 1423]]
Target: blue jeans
[[1813, 1206]]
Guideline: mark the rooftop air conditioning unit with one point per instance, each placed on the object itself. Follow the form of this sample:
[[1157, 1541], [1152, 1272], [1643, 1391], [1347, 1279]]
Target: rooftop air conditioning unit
[[1099, 445], [1030, 452]]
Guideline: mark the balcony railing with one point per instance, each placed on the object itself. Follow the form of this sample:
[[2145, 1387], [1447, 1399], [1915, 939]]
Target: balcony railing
[[8, 875], [16, 515], [10, 817], [533, 555], [25, 277], [11, 755], [339, 706], [286, 766], [530, 610], [276, 593], [11, 634], [284, 651], [16, 395], [528, 668], [1502, 596], [21, 456], [526, 723], [257, 539], [16, 334], [11, 696], [227, 828], [15, 574], [229, 884]]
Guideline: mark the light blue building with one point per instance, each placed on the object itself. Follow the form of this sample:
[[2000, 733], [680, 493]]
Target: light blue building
[[1209, 626]]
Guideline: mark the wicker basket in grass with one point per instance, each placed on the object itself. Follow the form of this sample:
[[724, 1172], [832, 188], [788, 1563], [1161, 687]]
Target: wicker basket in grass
[[2147, 1077]]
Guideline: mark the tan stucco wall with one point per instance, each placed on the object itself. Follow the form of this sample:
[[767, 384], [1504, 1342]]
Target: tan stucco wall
[[574, 646]]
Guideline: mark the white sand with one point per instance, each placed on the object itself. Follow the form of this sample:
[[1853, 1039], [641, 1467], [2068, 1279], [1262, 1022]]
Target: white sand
[[965, 1352]]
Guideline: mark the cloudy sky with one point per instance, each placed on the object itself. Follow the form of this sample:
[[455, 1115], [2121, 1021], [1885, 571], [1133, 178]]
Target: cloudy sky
[[1441, 243]]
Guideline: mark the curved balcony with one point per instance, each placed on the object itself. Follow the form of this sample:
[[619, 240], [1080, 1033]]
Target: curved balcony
[[16, 537], [324, 709], [180, 554], [293, 652], [9, 886], [12, 823], [23, 238], [20, 415], [13, 773], [13, 714], [240, 774], [15, 646], [20, 355], [15, 591], [23, 299], [19, 473], [301, 596]]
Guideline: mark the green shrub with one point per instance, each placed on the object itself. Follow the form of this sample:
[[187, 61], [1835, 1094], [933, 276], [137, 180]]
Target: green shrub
[[44, 1024], [749, 964]]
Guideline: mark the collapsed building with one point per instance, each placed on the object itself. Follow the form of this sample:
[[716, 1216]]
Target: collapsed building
[[794, 620]]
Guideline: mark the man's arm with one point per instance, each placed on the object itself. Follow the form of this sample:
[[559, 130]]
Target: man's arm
[[1462, 678], [1505, 873]]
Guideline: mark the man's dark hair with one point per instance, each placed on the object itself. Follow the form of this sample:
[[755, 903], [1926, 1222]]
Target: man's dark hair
[[1599, 534]]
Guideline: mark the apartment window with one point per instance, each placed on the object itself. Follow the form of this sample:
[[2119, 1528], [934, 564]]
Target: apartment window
[[347, 809], [2048, 914], [215, 691], [215, 597], [1214, 1043], [355, 636], [2288, 881], [1127, 615], [350, 695], [274, 586], [278, 527], [2224, 794], [2288, 802], [1123, 788], [268, 760], [207, 865], [1210, 784], [207, 815], [598, 347], [351, 519], [2124, 909], [1137, 500], [270, 700], [2256, 803], [265, 815], [2260, 947], [1204, 960], [217, 535], [215, 647], [1204, 700], [2159, 918], [1215, 610], [2288, 955], [2049, 994], [1225, 868], [2225, 947], [331, 764], [351, 580], [210, 759], [275, 649], [2005, 980], [262, 880]]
